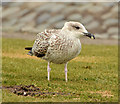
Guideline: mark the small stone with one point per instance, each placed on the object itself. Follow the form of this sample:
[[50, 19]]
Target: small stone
[[111, 21], [112, 30], [108, 4], [35, 30], [23, 12], [12, 4], [103, 27], [102, 36], [44, 7], [56, 18], [42, 27], [32, 5], [106, 16], [29, 29], [115, 15], [18, 26], [20, 14], [59, 24], [74, 17], [78, 3], [115, 9], [57, 8], [87, 19], [85, 7], [9, 22], [96, 9], [42, 18], [28, 17], [93, 25], [69, 10], [10, 28], [10, 11]]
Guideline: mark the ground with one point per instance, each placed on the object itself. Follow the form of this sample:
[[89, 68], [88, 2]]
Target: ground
[[92, 76]]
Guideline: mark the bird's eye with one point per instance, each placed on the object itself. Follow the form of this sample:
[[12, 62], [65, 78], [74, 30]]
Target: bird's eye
[[77, 27]]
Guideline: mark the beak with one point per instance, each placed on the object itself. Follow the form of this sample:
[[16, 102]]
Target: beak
[[89, 35]]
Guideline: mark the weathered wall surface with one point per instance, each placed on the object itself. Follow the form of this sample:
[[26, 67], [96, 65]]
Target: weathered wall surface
[[100, 18]]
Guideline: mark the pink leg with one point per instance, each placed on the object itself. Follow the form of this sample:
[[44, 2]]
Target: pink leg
[[48, 69], [66, 72]]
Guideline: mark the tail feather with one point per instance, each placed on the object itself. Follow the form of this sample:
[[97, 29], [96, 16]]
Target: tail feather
[[28, 48], [30, 52]]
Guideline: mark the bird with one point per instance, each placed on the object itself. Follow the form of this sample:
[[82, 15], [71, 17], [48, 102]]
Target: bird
[[59, 46]]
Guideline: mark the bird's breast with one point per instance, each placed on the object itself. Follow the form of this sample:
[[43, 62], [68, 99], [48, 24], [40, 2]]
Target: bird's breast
[[63, 50]]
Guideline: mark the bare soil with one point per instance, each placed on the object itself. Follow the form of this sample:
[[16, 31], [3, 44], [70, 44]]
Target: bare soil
[[31, 90]]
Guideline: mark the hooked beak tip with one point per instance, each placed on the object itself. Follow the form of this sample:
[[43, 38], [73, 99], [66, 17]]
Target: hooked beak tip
[[89, 35]]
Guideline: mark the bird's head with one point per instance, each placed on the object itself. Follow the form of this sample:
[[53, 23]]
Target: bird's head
[[77, 29]]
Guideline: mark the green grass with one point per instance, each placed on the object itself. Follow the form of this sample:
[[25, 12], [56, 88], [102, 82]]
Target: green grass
[[92, 76]]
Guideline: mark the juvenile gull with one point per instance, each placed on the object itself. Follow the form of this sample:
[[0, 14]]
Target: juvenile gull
[[59, 46]]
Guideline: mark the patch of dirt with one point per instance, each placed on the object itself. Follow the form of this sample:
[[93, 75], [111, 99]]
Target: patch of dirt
[[91, 59], [31, 90], [18, 55]]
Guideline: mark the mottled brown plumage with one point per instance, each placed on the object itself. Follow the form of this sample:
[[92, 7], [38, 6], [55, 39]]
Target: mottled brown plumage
[[60, 46]]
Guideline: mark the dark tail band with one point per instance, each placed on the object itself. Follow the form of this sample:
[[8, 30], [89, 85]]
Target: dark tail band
[[28, 48]]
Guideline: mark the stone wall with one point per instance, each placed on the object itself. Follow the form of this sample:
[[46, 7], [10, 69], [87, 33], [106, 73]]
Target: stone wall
[[100, 18]]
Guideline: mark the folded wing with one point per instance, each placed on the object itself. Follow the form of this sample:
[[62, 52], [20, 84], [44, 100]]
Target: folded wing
[[41, 43]]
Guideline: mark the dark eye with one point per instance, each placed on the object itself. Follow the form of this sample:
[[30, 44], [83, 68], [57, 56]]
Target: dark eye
[[77, 27]]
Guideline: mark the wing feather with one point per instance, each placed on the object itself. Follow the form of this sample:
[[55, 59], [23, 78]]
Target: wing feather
[[41, 43]]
